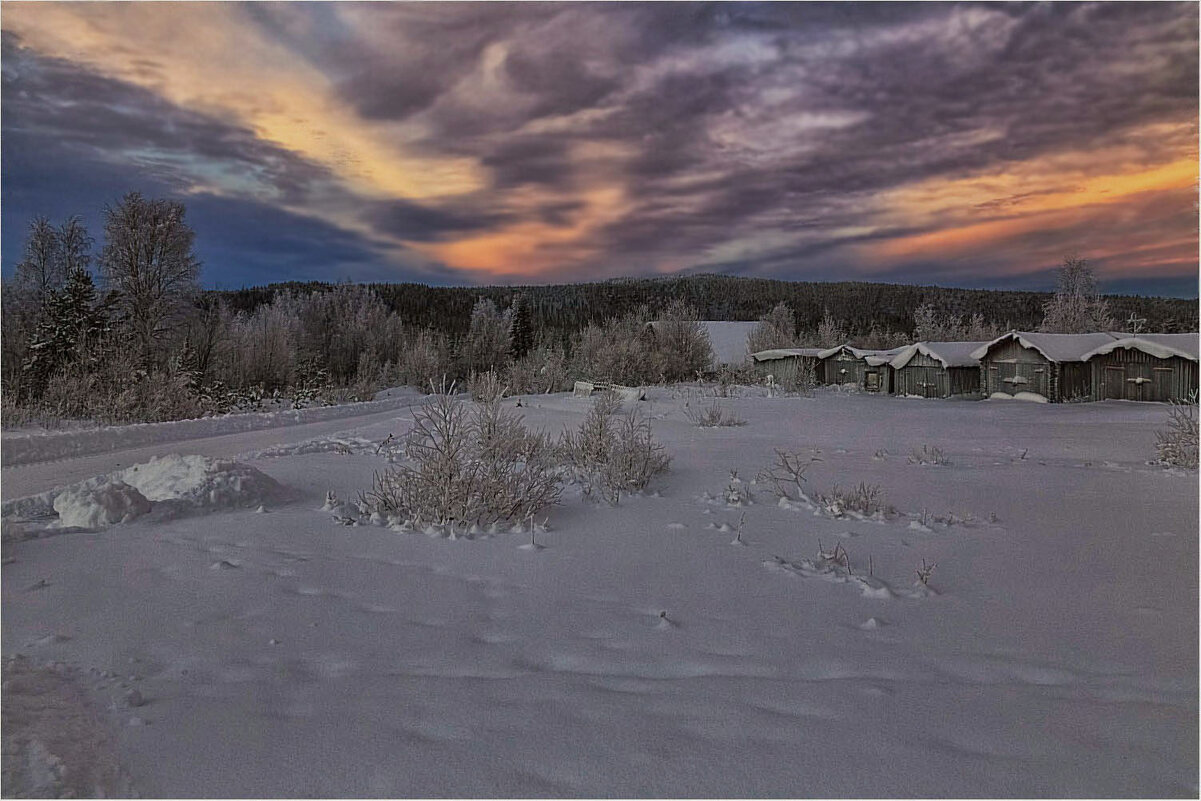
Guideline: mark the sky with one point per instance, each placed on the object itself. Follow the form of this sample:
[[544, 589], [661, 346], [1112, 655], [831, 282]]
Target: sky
[[971, 145]]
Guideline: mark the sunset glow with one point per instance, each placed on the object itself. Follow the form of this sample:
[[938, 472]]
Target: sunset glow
[[465, 143]]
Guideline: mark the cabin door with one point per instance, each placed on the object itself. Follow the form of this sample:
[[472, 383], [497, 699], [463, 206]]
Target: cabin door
[[1161, 383], [1113, 383]]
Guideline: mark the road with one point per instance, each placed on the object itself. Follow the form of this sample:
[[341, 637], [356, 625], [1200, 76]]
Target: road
[[32, 478]]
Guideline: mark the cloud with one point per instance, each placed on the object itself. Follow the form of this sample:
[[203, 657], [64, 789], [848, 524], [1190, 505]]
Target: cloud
[[556, 141]]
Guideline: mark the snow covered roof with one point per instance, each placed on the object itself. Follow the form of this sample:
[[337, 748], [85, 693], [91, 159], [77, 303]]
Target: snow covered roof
[[1161, 346], [784, 353], [1055, 347], [951, 354], [874, 358], [728, 339]]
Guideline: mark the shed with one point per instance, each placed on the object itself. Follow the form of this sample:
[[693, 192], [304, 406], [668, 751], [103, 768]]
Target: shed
[[1054, 366], [787, 365], [867, 369], [937, 370], [728, 339], [1144, 367]]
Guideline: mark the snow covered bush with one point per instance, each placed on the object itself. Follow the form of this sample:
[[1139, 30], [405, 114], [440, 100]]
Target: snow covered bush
[[1177, 444], [541, 371], [928, 454], [609, 455], [787, 475], [863, 500], [470, 465], [485, 387], [712, 415]]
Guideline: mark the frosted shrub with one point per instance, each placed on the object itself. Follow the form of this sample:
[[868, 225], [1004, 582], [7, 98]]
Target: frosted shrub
[[485, 387], [787, 475], [1177, 444], [865, 500], [470, 465], [541, 371], [610, 455], [928, 454], [711, 415]]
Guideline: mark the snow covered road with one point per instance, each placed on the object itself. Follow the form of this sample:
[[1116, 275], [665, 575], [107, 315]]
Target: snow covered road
[[35, 463]]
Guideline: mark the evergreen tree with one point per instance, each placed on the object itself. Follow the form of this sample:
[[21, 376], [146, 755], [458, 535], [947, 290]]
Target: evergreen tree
[[71, 328], [521, 327]]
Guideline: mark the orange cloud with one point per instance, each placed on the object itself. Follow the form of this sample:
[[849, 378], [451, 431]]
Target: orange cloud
[[209, 57], [1034, 196]]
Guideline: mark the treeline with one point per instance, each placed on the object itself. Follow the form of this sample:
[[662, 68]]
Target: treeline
[[148, 344], [566, 308]]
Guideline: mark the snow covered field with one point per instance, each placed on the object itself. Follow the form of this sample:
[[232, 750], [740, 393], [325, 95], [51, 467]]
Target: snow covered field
[[233, 639]]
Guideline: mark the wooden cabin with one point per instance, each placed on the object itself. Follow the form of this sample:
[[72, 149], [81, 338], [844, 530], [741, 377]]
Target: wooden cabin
[[1145, 367], [937, 370], [1052, 366], [867, 369], [787, 365]]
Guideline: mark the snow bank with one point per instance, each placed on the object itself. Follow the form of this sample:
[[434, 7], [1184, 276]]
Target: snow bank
[[99, 503], [201, 482], [171, 485], [1032, 397]]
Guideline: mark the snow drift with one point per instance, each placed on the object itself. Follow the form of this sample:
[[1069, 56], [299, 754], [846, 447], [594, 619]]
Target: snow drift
[[170, 485]]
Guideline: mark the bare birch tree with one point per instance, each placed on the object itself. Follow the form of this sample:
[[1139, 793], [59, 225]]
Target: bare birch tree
[[148, 259]]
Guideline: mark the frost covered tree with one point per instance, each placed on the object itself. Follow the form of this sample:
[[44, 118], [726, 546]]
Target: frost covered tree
[[830, 332], [1076, 307], [148, 259], [776, 329], [74, 246], [486, 345], [681, 343], [41, 268]]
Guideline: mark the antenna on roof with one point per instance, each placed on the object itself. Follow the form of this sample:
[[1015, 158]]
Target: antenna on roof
[[1136, 323]]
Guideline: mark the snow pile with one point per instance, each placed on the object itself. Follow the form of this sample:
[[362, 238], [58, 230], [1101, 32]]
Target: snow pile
[[173, 485], [98, 503], [1032, 397], [201, 482]]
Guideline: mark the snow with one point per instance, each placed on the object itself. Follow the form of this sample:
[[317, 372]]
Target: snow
[[633, 652], [1161, 346], [951, 354], [100, 503], [1055, 347], [1032, 397], [784, 353], [173, 484], [29, 447]]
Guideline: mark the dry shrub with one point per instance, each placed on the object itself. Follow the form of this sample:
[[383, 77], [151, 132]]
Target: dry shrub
[[712, 415], [609, 455], [1177, 444], [470, 465]]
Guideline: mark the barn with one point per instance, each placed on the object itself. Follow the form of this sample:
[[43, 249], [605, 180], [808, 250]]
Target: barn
[[786, 365], [867, 369], [1144, 367], [1053, 366], [937, 370]]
